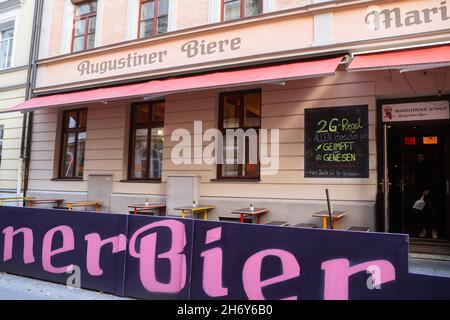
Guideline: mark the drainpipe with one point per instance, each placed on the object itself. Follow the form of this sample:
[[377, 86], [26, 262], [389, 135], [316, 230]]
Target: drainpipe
[[27, 129]]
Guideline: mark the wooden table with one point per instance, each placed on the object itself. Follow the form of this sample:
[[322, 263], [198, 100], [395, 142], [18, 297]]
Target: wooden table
[[15, 199], [336, 215], [73, 204], [199, 208], [32, 202], [144, 207], [245, 212]]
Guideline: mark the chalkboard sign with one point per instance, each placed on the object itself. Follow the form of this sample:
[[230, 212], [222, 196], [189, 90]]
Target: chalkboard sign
[[337, 142]]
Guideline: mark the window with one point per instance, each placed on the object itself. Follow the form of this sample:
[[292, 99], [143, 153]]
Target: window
[[6, 45], [73, 144], [146, 141], [2, 130], [84, 26], [241, 110], [154, 17], [236, 9]]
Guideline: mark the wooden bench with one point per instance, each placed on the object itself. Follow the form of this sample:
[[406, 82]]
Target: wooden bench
[[237, 220], [277, 223], [306, 225], [360, 229]]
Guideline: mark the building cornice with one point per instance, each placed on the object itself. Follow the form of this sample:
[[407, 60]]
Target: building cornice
[[10, 5]]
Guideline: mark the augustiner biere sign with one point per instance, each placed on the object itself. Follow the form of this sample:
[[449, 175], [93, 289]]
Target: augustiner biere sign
[[337, 142]]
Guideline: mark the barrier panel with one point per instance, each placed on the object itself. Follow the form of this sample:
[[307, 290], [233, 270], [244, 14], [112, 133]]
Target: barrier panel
[[167, 258]]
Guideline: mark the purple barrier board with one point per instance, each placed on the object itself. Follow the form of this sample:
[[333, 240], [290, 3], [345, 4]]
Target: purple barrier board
[[237, 261], [53, 244], [165, 258], [159, 257]]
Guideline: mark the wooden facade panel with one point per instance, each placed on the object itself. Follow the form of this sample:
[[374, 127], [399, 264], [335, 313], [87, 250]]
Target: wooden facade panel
[[319, 93], [288, 191], [93, 134]]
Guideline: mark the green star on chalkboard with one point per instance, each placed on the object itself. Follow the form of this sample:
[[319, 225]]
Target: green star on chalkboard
[[319, 157]]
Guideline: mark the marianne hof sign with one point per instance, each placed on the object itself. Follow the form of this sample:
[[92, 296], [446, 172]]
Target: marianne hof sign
[[417, 111], [337, 142]]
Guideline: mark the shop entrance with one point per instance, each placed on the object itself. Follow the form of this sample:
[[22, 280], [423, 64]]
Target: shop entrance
[[417, 162], [413, 160]]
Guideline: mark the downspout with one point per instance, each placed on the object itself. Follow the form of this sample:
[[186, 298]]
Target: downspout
[[27, 132]]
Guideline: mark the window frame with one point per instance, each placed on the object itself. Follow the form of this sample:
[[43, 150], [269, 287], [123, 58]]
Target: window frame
[[11, 40], [87, 17], [155, 18], [64, 131], [242, 11], [220, 127], [150, 125]]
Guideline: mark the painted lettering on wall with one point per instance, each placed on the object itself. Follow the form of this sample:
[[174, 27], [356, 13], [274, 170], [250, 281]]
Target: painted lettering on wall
[[190, 49], [382, 19]]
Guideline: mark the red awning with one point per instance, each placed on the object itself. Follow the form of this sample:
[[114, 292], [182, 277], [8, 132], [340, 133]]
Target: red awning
[[404, 60], [249, 76]]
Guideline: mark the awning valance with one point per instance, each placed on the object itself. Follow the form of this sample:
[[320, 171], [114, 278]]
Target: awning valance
[[403, 60], [248, 76]]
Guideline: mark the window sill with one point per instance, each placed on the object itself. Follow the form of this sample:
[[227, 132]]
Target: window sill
[[67, 179], [140, 181], [227, 180]]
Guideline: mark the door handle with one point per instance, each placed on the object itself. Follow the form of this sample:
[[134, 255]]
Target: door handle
[[447, 187], [382, 185]]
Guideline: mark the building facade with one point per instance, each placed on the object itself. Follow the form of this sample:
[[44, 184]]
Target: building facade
[[118, 145], [14, 58]]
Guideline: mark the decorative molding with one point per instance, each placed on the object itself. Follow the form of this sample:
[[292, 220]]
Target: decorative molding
[[15, 87], [10, 5], [14, 69]]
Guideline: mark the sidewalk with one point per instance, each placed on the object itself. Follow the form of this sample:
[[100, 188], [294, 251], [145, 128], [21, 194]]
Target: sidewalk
[[20, 288], [430, 267]]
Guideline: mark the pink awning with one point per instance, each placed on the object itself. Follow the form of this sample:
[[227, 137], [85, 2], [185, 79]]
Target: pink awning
[[249, 76], [404, 60]]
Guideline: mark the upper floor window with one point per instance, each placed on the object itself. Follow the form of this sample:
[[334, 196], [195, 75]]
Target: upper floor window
[[6, 45], [237, 9], [73, 144], [84, 26], [154, 17], [146, 141]]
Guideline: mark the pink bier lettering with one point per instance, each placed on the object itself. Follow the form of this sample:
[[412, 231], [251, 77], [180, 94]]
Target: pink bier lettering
[[94, 247], [212, 266], [147, 257], [28, 256], [338, 272], [48, 253], [251, 274]]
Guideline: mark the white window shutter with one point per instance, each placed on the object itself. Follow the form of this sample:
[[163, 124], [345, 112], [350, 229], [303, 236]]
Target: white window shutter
[[215, 11], [172, 24], [132, 20], [67, 28], [99, 23], [268, 6]]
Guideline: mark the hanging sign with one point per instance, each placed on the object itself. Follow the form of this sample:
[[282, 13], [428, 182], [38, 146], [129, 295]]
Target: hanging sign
[[416, 111]]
